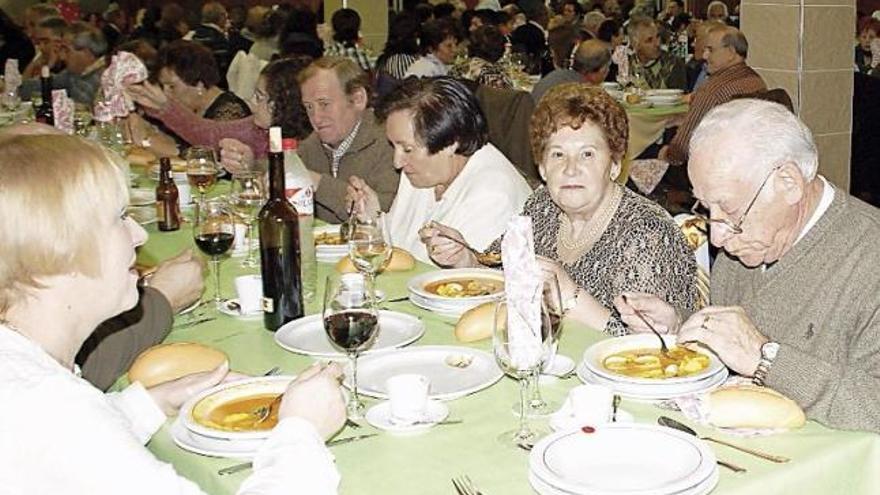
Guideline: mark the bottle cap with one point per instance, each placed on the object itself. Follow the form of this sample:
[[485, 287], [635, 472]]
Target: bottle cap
[[44, 71], [289, 144], [275, 140]]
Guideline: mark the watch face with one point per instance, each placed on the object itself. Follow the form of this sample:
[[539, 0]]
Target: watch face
[[769, 350]]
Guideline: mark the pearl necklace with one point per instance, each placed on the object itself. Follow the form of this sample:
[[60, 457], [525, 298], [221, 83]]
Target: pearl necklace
[[595, 225]]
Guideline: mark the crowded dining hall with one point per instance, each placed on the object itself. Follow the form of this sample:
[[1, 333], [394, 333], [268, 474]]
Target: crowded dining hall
[[467, 247]]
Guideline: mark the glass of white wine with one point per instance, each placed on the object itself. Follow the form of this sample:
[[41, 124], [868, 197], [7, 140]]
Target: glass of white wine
[[369, 244], [246, 196]]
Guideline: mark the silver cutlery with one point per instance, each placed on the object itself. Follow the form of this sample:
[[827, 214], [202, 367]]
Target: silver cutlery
[[671, 423], [339, 441], [272, 371], [615, 404], [194, 322], [663, 348], [464, 486], [352, 424]]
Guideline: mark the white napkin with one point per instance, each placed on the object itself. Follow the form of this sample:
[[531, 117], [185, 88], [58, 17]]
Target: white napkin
[[62, 109], [522, 286], [11, 75]]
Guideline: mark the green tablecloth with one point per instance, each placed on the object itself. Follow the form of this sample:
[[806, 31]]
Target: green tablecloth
[[646, 126], [823, 460]]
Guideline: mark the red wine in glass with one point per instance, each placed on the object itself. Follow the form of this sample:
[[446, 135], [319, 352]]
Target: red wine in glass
[[214, 243], [350, 330]]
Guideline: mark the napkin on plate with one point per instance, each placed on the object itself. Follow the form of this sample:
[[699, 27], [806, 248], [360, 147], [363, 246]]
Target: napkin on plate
[[522, 286], [62, 108], [124, 69]]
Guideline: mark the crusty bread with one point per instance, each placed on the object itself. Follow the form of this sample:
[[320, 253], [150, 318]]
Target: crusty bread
[[401, 261], [166, 362], [476, 323], [751, 406], [141, 156]]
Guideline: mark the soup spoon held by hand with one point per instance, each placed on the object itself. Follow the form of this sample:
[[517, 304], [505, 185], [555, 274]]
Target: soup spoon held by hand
[[490, 259], [663, 348]]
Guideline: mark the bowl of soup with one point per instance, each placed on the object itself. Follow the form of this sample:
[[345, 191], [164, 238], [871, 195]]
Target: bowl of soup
[[452, 292], [329, 245], [231, 410], [638, 358]]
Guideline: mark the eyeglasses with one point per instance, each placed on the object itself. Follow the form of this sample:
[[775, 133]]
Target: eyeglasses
[[702, 212]]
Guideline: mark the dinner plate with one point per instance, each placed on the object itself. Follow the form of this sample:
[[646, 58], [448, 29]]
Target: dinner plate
[[209, 399], [596, 354], [307, 336], [652, 392], [622, 459], [212, 447], [440, 309], [664, 92], [703, 488], [226, 307], [663, 101], [143, 215], [437, 362], [142, 196]]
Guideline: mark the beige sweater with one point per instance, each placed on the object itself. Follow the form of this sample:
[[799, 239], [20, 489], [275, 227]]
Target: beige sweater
[[821, 302]]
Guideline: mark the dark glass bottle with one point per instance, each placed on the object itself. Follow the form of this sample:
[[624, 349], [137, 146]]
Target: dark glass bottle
[[167, 198], [44, 113], [279, 246]]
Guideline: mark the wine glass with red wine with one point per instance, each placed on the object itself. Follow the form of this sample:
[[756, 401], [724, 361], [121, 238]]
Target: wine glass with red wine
[[214, 233], [351, 321], [201, 169]]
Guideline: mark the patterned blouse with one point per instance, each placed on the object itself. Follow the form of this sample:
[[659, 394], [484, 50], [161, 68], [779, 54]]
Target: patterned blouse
[[483, 72], [641, 250], [227, 106]]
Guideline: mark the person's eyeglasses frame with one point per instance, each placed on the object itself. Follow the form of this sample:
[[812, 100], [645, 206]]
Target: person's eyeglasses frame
[[735, 227]]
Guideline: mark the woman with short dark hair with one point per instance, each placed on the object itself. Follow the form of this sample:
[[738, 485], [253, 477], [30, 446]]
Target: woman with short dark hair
[[485, 49], [450, 170], [439, 47]]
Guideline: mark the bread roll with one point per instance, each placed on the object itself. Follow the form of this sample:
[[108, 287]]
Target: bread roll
[[141, 156], [401, 261], [166, 362], [751, 406], [476, 323]]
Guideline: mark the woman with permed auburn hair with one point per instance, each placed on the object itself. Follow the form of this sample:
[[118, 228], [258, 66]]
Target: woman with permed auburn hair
[[599, 238]]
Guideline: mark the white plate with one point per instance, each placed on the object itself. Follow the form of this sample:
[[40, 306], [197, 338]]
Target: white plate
[[227, 309], [561, 365], [664, 92], [562, 420], [450, 306], [663, 101], [620, 458], [143, 215], [380, 417], [213, 447], [449, 312], [307, 336], [652, 392], [703, 488], [596, 354], [228, 391], [329, 253], [142, 197], [447, 382]]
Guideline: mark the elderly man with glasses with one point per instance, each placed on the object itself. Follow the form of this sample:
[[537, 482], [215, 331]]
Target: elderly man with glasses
[[794, 297]]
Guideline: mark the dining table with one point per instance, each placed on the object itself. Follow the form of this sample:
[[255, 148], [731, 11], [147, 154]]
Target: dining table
[[646, 126], [823, 460]]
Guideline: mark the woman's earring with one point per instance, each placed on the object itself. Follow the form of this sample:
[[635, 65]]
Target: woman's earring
[[615, 171]]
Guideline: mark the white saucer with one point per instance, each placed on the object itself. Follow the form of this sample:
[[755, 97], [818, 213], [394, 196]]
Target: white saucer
[[379, 416], [562, 420], [561, 365], [226, 309]]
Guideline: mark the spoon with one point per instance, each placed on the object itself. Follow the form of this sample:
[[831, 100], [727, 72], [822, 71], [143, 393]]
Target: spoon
[[263, 413], [347, 227], [671, 423], [663, 348], [490, 259]]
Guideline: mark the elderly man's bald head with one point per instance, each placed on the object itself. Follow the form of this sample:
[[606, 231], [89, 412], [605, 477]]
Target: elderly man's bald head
[[592, 57]]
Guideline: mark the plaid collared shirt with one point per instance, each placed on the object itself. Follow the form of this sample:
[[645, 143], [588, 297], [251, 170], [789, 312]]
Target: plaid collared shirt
[[337, 153], [358, 54]]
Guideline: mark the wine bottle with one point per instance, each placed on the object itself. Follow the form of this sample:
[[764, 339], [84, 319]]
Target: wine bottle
[[279, 246], [300, 191], [45, 114], [167, 198]]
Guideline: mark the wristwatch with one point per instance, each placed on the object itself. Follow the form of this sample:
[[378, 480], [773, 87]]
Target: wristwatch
[[768, 354]]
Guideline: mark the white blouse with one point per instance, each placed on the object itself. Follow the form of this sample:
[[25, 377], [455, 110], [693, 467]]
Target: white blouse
[[59, 434], [479, 202]]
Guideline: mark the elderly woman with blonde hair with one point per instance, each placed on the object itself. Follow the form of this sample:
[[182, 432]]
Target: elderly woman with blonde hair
[[600, 239], [67, 264]]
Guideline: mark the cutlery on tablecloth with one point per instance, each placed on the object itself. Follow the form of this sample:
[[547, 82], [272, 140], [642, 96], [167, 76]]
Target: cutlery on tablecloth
[[194, 322], [339, 441], [671, 423], [464, 486]]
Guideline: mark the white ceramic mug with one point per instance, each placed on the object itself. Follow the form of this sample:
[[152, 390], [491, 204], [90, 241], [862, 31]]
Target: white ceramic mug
[[591, 404], [249, 289], [408, 394], [184, 193]]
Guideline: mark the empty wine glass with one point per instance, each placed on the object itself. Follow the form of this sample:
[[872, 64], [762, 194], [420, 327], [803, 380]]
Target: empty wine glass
[[552, 304], [214, 233], [247, 195], [521, 348], [201, 169], [351, 320], [369, 244]]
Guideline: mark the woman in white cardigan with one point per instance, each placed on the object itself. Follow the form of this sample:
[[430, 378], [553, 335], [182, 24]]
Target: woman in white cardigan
[[451, 173]]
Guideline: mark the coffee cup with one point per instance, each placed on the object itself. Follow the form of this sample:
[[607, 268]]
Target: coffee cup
[[249, 289], [408, 395], [591, 404]]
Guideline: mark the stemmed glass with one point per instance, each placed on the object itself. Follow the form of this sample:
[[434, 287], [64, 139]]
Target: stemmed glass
[[201, 169], [247, 195], [351, 320], [552, 304], [521, 358], [369, 244], [214, 233]]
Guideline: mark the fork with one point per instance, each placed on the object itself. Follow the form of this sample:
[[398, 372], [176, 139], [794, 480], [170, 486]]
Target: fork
[[490, 259], [464, 486]]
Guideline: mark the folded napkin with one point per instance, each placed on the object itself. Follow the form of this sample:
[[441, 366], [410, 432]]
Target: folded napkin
[[522, 286], [12, 76], [124, 69], [62, 108], [875, 53], [621, 60]]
